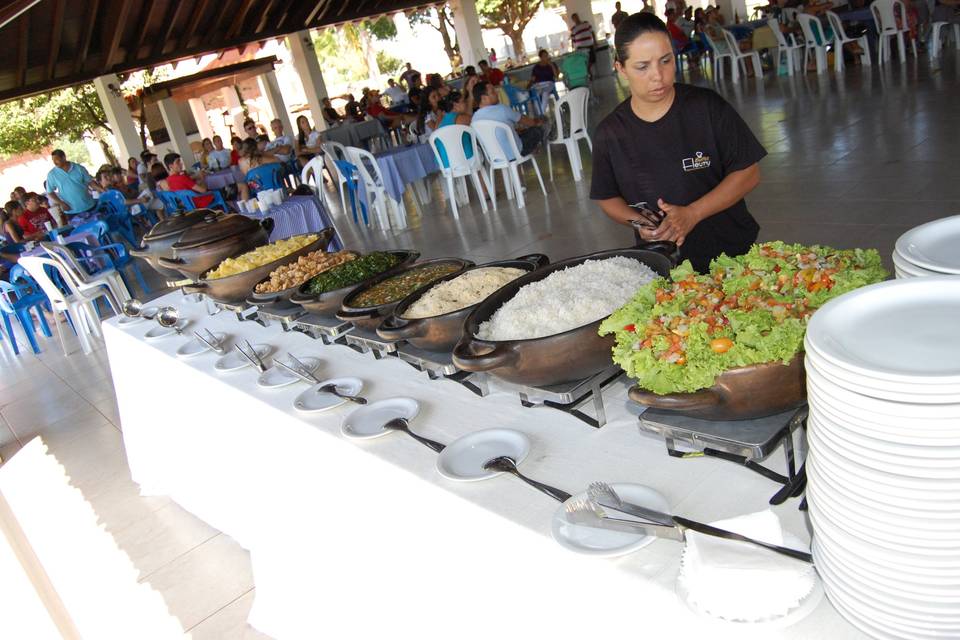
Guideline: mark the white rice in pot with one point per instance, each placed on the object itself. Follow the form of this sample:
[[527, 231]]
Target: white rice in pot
[[567, 299], [465, 290]]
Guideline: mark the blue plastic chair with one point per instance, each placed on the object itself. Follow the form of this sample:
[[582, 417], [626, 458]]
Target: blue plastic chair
[[517, 99], [188, 198], [20, 276], [350, 171], [171, 204], [266, 176], [117, 215], [17, 300], [98, 228]]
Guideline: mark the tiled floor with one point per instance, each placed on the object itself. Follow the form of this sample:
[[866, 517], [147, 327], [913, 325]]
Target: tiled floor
[[853, 162]]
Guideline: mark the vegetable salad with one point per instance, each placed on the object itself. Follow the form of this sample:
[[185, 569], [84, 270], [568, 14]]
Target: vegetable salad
[[678, 336]]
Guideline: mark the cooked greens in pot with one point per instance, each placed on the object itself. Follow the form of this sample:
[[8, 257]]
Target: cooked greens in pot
[[352, 272]]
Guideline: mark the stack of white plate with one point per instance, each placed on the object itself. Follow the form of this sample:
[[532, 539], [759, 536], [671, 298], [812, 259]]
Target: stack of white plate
[[883, 382], [932, 249]]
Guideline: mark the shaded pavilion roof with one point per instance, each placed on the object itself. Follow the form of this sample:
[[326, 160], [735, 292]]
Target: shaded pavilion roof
[[47, 44]]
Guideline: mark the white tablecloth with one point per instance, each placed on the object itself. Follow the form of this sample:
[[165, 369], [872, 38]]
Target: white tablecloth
[[358, 539]]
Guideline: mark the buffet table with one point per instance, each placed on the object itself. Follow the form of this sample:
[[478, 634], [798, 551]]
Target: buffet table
[[358, 538]]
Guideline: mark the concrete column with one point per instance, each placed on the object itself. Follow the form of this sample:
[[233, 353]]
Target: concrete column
[[469, 34], [119, 118], [199, 112], [270, 88], [733, 9], [178, 135], [308, 68], [232, 103], [584, 9]]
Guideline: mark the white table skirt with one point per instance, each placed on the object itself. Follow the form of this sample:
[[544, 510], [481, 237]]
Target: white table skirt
[[351, 539]]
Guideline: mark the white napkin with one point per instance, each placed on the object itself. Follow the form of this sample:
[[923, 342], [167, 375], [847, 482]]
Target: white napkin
[[739, 581]]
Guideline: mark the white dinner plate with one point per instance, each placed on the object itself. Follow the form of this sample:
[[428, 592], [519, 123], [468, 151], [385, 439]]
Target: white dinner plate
[[195, 346], [312, 400], [903, 264], [276, 376], [879, 448], [885, 409], [463, 459], [367, 421], [126, 321], [234, 360], [933, 245], [877, 387], [162, 332], [904, 330], [926, 434], [593, 541]]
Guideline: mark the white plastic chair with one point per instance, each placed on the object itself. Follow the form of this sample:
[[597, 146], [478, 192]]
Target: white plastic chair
[[937, 38], [78, 304], [786, 45], [336, 151], [740, 56], [451, 138], [314, 168], [497, 158], [576, 101], [888, 26], [720, 50], [116, 291], [841, 38], [377, 198], [812, 35]]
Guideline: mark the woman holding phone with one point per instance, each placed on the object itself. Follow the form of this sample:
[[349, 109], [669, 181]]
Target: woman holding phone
[[673, 160]]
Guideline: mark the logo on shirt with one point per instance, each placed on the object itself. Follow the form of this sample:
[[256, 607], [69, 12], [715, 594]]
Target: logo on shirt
[[699, 161]]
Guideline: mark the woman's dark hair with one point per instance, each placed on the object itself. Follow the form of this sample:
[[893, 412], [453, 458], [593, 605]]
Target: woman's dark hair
[[262, 138], [12, 206], [158, 172], [301, 136], [479, 90], [435, 81], [424, 108], [469, 70], [633, 27], [452, 98], [541, 52], [248, 148]]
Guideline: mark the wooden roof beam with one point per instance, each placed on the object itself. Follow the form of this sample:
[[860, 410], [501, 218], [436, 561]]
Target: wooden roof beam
[[113, 32], [23, 39], [144, 20], [239, 18], [87, 36], [56, 33], [169, 19], [191, 27]]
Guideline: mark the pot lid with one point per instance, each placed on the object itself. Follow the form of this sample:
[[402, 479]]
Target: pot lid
[[176, 224], [214, 229]]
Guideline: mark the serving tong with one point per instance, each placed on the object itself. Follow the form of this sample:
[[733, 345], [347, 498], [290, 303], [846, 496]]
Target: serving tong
[[211, 341], [252, 357], [649, 219], [604, 508], [303, 372]]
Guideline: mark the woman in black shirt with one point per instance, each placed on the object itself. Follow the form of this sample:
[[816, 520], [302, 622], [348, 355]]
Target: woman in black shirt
[[675, 148]]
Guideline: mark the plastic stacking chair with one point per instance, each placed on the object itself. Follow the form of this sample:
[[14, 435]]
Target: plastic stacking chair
[[106, 282], [891, 25], [520, 99], [116, 214], [188, 199], [266, 176], [112, 256], [841, 38], [377, 198], [740, 56], [334, 151], [171, 203], [77, 305], [576, 70], [98, 228], [314, 168], [720, 51], [937, 38], [814, 41], [18, 300], [576, 105], [351, 172], [500, 149], [786, 46], [450, 146]]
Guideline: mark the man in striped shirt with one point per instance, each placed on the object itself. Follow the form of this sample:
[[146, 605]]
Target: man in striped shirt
[[581, 35]]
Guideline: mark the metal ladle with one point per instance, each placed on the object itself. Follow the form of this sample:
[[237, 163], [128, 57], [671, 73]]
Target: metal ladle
[[169, 318], [132, 308]]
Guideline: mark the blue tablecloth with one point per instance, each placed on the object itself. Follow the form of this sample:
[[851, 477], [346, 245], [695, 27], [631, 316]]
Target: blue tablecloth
[[296, 215], [400, 166], [354, 134], [220, 179]]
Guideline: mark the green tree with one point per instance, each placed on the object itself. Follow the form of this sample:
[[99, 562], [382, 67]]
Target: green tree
[[35, 123], [348, 54], [511, 17], [440, 18]]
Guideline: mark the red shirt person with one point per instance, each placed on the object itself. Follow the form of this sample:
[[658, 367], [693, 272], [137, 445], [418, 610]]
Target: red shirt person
[[490, 74], [34, 216], [178, 180]]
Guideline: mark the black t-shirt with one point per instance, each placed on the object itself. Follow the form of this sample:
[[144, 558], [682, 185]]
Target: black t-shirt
[[680, 158]]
